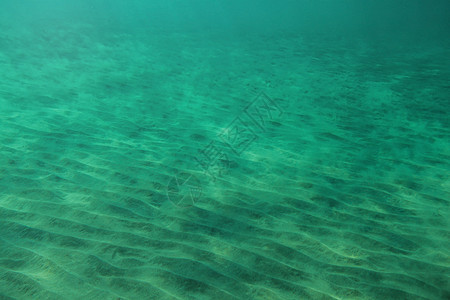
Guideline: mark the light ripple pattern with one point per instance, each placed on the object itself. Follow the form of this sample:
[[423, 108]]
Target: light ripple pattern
[[343, 195]]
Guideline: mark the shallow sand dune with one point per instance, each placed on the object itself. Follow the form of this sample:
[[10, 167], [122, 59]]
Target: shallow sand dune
[[342, 194]]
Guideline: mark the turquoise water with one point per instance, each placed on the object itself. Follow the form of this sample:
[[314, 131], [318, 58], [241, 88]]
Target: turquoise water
[[224, 150]]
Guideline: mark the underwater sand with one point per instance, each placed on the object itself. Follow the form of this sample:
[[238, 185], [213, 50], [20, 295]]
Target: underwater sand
[[343, 193]]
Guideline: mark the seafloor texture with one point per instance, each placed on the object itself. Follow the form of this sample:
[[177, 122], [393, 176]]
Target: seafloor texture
[[333, 184]]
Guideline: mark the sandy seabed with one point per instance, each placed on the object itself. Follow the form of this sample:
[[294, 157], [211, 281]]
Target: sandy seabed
[[134, 166]]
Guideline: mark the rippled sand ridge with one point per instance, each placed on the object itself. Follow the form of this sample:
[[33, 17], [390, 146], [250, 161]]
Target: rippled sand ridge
[[174, 166]]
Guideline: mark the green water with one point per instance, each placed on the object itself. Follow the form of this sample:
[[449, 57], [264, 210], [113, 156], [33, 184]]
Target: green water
[[224, 149]]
